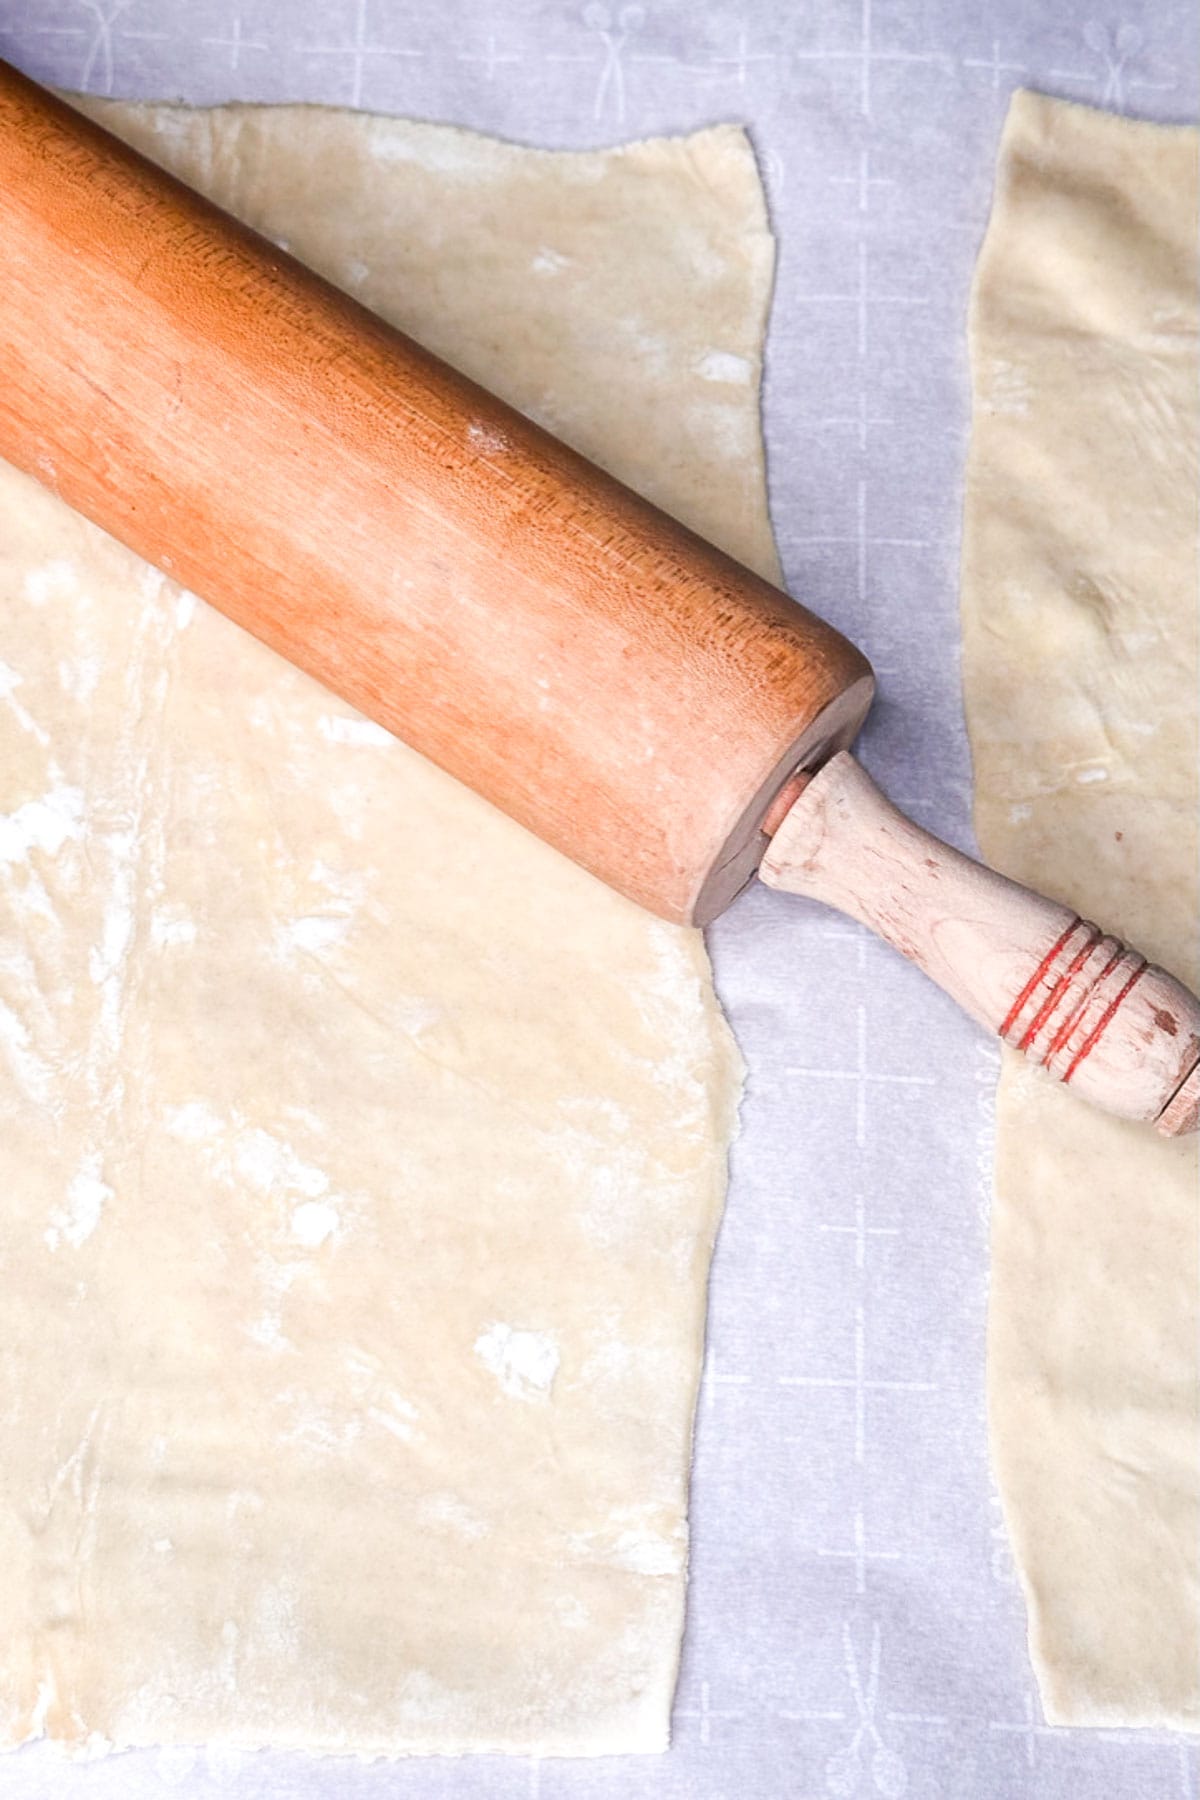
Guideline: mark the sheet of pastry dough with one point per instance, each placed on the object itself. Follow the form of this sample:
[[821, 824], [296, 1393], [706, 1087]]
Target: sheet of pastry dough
[[1082, 683], [360, 1158]]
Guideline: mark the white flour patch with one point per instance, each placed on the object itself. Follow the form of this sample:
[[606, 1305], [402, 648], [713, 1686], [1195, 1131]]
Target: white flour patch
[[33, 1073], [274, 1622], [448, 1511], [329, 1433], [315, 932], [1007, 389], [549, 262], [313, 1221], [45, 825], [523, 1362], [47, 1696], [57, 579], [630, 1541], [724, 427], [10, 681], [414, 1015], [348, 886], [609, 1175], [171, 925], [645, 1555], [193, 1121], [655, 354], [449, 152], [86, 1199], [272, 1166], [105, 959], [610, 1361], [277, 1279], [397, 1418], [339, 729], [723, 365], [80, 678]]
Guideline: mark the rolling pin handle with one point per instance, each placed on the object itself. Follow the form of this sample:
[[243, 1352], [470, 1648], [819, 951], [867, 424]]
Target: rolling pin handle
[[1093, 1014]]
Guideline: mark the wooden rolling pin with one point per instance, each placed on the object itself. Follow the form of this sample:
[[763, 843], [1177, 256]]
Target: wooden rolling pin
[[619, 686]]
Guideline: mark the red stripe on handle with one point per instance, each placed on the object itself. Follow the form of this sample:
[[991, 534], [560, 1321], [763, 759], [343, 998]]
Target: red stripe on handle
[[1105, 1020], [1041, 973], [1064, 1031], [1062, 986]]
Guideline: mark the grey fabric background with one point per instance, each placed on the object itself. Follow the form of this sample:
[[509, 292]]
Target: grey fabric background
[[854, 1624]]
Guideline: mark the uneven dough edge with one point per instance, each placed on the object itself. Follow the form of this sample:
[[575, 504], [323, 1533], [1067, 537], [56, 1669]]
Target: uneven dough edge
[[1082, 678], [668, 399]]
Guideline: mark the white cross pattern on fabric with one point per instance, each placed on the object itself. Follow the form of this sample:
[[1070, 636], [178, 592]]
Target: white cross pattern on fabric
[[860, 1231], [862, 1076], [996, 65], [859, 1383], [741, 61], [359, 50], [862, 299], [864, 181], [491, 58], [705, 1713], [857, 1552], [863, 420], [712, 1379], [235, 43]]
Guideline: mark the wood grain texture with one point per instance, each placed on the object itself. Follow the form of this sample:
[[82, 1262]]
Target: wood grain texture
[[593, 668], [1122, 1033]]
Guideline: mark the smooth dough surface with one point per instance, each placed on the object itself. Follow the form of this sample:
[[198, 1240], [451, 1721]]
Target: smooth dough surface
[[360, 1158], [1082, 684]]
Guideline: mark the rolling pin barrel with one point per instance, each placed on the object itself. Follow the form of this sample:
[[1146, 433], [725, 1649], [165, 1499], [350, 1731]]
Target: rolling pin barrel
[[619, 686]]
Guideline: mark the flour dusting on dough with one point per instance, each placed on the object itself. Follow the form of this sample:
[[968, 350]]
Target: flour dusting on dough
[[314, 932], [337, 728], [45, 824], [34, 1075], [724, 365], [273, 1167], [451, 1512], [397, 1418], [313, 1221], [10, 681], [193, 1121], [87, 1196], [523, 1362], [631, 1539], [57, 579], [171, 925]]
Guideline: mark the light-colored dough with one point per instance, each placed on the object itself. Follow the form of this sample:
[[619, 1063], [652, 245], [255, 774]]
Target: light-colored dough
[[1080, 638], [360, 1158]]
